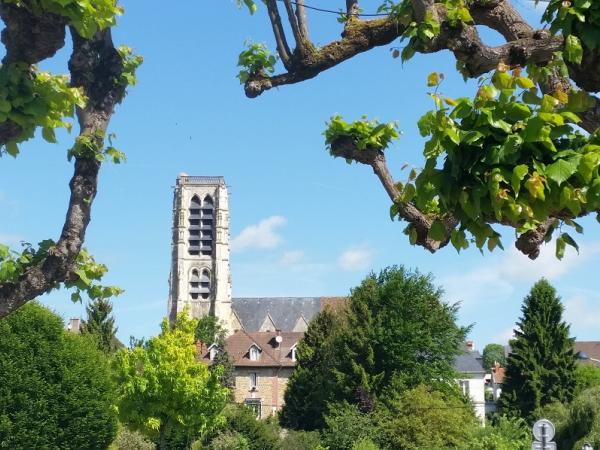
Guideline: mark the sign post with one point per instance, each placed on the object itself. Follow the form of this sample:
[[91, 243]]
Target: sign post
[[543, 432]]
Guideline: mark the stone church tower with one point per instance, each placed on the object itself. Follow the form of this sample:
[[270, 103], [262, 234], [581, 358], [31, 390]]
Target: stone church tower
[[200, 276]]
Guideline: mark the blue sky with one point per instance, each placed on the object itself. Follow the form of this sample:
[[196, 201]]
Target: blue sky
[[302, 223]]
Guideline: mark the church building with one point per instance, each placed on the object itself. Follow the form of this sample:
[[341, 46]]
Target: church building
[[262, 332]]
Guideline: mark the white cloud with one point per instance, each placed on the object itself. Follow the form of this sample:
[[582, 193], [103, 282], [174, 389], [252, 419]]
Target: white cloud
[[504, 336], [292, 258], [582, 312], [356, 258], [263, 235], [499, 278]]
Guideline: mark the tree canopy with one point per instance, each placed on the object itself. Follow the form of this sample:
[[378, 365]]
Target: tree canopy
[[394, 334], [55, 387], [164, 390], [100, 324], [33, 100], [523, 152], [493, 353], [540, 367]]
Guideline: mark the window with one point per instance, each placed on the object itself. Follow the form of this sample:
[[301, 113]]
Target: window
[[253, 381], [254, 353], [213, 352], [464, 387], [194, 221], [294, 353], [200, 284], [255, 405]]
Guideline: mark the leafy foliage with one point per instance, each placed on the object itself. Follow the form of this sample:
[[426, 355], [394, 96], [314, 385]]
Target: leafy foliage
[[366, 134], [394, 334], [493, 353], [587, 376], [86, 16], [87, 272], [55, 386], [131, 440], [508, 156], [256, 59], [164, 389], [242, 422], [578, 20], [209, 331], [32, 99], [504, 434], [423, 417], [131, 63], [541, 366]]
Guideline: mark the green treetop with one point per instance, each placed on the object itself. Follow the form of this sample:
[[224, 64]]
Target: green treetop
[[55, 386], [493, 353], [165, 390], [101, 324], [394, 333], [540, 368]]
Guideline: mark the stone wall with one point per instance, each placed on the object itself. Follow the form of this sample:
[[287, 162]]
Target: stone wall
[[270, 387]]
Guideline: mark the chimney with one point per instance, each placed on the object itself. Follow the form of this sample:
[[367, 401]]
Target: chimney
[[74, 325], [470, 346]]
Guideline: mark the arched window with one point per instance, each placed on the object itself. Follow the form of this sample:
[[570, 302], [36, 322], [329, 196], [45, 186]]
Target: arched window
[[194, 229], [199, 284]]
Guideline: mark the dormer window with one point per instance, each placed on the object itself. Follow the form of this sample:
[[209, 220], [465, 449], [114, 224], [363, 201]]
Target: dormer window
[[212, 352], [254, 353], [293, 352]]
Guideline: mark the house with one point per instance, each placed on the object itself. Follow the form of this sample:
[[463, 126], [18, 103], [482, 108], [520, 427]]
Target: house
[[471, 378]]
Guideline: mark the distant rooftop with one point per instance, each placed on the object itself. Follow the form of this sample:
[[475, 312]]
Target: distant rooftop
[[184, 178]]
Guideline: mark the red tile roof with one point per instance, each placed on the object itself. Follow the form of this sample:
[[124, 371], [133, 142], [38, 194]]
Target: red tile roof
[[272, 355]]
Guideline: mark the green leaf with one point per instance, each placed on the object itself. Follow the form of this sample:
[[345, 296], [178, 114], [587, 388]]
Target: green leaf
[[49, 135], [573, 49], [408, 193], [524, 82], [458, 240], [433, 79], [393, 211], [560, 247], [437, 232], [561, 170], [518, 174], [570, 241]]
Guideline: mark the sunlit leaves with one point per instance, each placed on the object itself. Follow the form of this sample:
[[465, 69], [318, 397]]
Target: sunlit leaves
[[33, 99], [366, 134], [509, 156], [256, 59], [86, 16]]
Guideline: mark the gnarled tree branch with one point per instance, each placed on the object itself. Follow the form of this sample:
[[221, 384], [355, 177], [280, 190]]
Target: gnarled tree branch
[[280, 39], [95, 66]]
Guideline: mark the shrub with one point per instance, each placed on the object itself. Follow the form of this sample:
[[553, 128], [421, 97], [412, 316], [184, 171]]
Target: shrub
[[55, 386]]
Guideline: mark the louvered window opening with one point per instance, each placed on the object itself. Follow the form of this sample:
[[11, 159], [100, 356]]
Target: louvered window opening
[[201, 220], [200, 284]]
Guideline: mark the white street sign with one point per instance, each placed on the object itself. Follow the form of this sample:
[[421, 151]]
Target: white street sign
[[540, 446], [543, 429]]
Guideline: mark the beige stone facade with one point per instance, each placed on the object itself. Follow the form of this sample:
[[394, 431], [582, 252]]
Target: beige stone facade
[[268, 391]]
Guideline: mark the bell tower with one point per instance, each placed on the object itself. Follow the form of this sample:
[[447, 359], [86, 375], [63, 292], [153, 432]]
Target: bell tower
[[200, 277]]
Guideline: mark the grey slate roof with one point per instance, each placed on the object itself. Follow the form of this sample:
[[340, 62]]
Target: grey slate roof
[[469, 363], [284, 311]]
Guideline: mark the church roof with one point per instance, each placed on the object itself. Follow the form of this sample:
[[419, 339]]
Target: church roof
[[284, 312]]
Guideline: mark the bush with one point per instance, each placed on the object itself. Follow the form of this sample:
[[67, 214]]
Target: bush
[[259, 434], [55, 386], [131, 440], [504, 434], [346, 425], [300, 440], [229, 440]]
